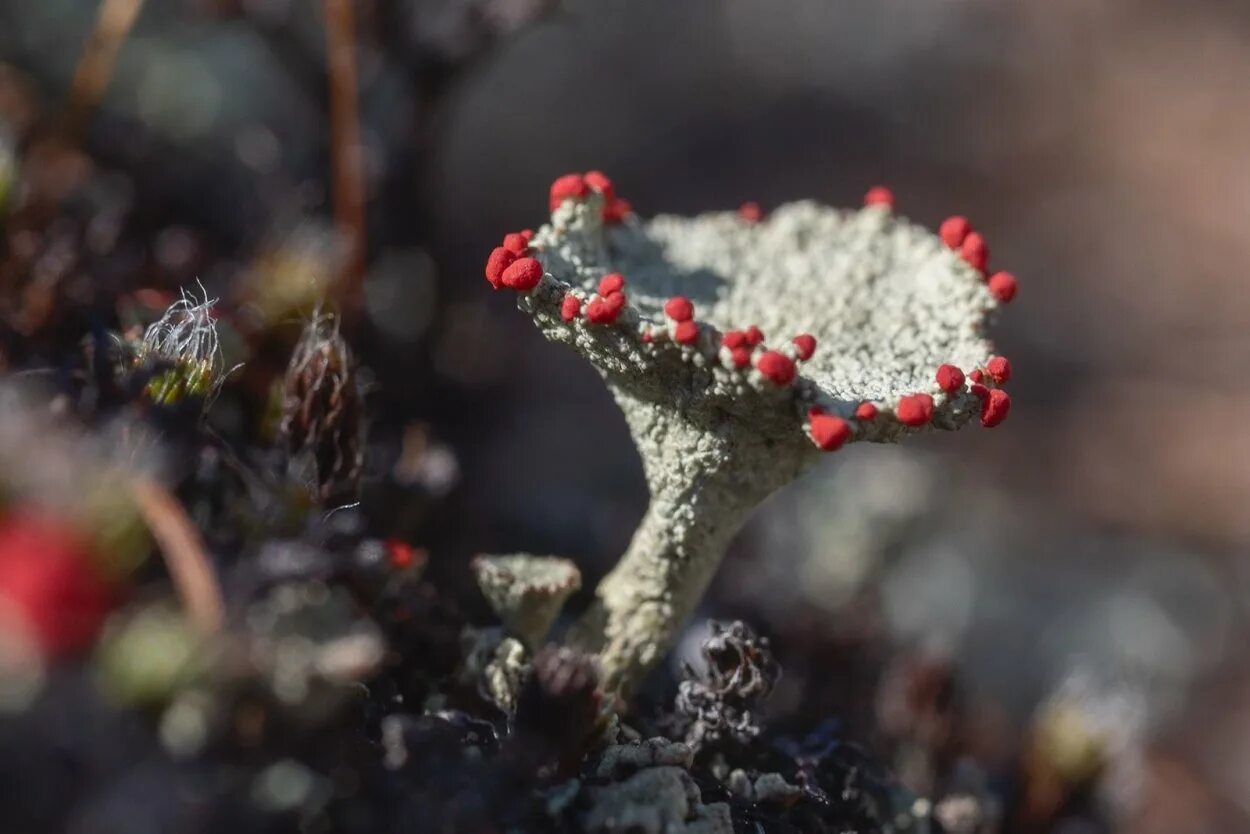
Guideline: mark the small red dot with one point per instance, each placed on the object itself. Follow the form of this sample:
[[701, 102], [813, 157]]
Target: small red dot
[[741, 356], [616, 211], [679, 308], [1003, 286], [686, 333], [975, 251], [570, 307], [865, 412], [828, 432], [914, 409], [599, 182], [755, 336], [523, 275], [999, 369], [605, 309], [612, 282], [805, 344], [976, 376], [879, 196], [995, 407], [953, 230], [568, 186], [778, 367], [516, 243], [499, 260], [528, 234], [400, 554], [949, 378], [734, 339], [751, 212]]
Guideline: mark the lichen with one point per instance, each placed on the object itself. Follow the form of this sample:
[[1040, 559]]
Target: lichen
[[738, 348], [526, 591]]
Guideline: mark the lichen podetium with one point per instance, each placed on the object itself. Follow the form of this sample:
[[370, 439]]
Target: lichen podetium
[[739, 346]]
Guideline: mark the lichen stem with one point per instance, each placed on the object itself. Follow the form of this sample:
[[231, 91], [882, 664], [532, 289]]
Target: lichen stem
[[704, 480]]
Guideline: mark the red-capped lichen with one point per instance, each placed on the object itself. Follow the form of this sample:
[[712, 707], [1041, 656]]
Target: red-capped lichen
[[569, 186], [570, 307], [610, 283], [828, 432], [522, 275], [1003, 286], [686, 333], [865, 412], [914, 410], [679, 308], [949, 378], [777, 367], [954, 230], [879, 195], [999, 369], [975, 251]]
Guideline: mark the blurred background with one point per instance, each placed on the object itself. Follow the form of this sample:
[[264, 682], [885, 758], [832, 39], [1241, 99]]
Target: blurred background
[[1053, 613]]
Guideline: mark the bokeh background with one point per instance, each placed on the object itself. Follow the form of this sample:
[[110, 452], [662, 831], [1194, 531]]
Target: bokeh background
[[1056, 608]]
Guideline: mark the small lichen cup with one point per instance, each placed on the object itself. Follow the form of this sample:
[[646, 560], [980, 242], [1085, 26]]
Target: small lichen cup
[[739, 348]]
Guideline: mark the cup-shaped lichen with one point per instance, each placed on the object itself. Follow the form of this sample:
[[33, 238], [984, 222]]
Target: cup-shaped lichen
[[740, 347]]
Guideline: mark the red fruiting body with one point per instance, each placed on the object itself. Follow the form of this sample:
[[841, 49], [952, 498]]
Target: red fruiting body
[[914, 409], [400, 554], [805, 344], [516, 243], [48, 582], [616, 211], [523, 275], [828, 432], [979, 391], [646, 336], [499, 260], [995, 407], [605, 309], [734, 339], [949, 378], [599, 182], [778, 367], [1003, 286], [953, 230], [528, 234], [612, 282], [755, 336], [879, 196], [568, 186], [751, 212], [741, 356], [999, 369], [570, 307], [679, 308], [865, 412], [975, 251], [686, 333], [976, 376]]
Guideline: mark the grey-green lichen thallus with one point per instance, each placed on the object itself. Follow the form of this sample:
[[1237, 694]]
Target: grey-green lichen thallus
[[739, 348]]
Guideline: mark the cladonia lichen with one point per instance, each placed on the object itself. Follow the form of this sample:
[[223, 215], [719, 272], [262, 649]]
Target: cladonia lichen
[[738, 349]]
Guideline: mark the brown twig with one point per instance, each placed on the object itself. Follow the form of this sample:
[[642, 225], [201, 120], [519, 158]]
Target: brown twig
[[95, 67], [345, 150], [183, 550]]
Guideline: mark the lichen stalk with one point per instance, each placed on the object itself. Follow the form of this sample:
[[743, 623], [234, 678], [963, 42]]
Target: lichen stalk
[[706, 473]]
